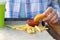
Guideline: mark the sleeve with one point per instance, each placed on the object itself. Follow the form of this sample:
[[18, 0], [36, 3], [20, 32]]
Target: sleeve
[[56, 6]]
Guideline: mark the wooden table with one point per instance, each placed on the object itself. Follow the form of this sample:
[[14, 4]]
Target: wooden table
[[55, 30]]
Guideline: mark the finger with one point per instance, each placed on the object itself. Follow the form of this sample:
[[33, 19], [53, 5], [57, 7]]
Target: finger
[[51, 16], [54, 12], [54, 17], [49, 10], [55, 21], [48, 17]]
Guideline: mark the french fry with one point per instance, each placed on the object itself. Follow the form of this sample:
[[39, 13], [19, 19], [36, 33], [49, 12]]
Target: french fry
[[43, 28], [28, 29], [37, 28]]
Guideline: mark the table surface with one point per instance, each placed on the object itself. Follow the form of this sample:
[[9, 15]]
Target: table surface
[[10, 34]]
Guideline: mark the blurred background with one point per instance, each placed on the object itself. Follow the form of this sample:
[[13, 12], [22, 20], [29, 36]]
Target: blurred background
[[9, 14], [59, 2]]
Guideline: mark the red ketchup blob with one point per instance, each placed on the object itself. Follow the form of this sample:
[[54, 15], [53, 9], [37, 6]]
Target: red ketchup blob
[[32, 23]]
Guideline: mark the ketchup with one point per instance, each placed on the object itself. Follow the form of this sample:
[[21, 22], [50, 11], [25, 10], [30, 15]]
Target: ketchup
[[32, 23]]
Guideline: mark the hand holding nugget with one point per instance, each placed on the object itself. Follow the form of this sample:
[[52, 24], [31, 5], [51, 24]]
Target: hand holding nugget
[[51, 15]]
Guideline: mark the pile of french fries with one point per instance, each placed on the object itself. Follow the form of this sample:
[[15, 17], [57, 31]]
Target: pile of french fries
[[28, 29]]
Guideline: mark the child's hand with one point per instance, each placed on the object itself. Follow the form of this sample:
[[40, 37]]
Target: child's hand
[[51, 15]]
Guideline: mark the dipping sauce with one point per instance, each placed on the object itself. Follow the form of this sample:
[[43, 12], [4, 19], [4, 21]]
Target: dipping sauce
[[32, 23]]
